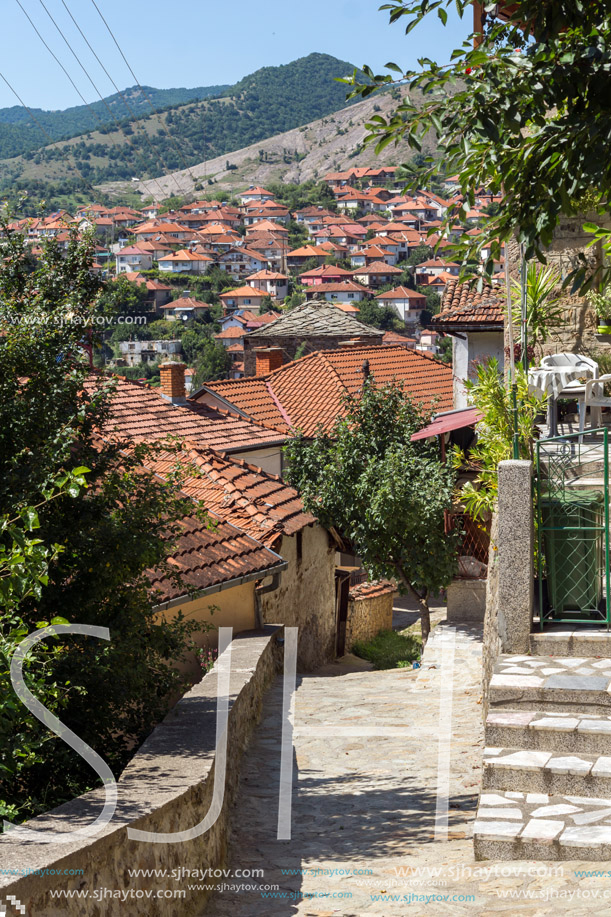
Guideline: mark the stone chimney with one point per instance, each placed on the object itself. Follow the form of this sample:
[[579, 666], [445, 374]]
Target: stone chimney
[[267, 360], [172, 377]]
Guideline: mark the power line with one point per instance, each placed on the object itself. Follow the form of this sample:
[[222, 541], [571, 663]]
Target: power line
[[95, 114], [85, 181], [124, 99], [142, 89]]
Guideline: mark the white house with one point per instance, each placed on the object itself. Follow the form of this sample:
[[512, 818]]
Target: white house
[[273, 283], [408, 303], [133, 258], [185, 262]]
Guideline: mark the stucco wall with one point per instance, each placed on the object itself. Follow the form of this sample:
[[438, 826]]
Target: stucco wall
[[167, 787], [368, 615], [471, 348], [233, 607], [306, 595]]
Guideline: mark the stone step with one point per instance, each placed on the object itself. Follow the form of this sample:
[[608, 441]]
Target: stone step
[[536, 771], [563, 641], [513, 825], [544, 731], [567, 683]]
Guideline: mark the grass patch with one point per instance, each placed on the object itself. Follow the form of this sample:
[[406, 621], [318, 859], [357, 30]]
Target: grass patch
[[389, 650]]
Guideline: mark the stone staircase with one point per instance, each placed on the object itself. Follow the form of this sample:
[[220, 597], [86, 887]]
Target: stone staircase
[[546, 784]]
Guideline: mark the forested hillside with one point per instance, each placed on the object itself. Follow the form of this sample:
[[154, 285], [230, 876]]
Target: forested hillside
[[20, 134], [268, 102]]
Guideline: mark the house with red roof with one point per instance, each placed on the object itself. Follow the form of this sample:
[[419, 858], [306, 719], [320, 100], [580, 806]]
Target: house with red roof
[[133, 258], [377, 274], [241, 261], [345, 291], [296, 258], [408, 303], [324, 273], [306, 393], [245, 297], [273, 283], [186, 307], [185, 261], [255, 193]]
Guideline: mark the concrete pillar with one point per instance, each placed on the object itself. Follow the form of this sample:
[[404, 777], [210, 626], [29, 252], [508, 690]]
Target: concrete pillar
[[515, 556]]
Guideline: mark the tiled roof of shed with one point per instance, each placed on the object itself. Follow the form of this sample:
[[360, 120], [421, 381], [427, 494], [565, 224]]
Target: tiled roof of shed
[[308, 392], [464, 305], [316, 318]]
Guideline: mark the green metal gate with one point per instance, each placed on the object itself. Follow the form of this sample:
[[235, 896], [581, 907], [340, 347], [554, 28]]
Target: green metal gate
[[572, 518]]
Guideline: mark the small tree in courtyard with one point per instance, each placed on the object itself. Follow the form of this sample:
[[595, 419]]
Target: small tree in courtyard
[[381, 492]]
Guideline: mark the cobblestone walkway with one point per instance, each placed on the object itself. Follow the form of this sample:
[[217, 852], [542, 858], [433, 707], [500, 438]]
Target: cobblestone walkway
[[364, 802]]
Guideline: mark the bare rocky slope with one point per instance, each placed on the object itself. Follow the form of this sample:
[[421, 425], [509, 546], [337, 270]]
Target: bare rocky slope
[[333, 143]]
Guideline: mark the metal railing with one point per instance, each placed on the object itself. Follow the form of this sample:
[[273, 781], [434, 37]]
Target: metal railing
[[474, 544], [572, 521]]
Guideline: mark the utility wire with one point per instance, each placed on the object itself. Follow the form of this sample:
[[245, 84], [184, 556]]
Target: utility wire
[[142, 89], [73, 166], [103, 100], [156, 153]]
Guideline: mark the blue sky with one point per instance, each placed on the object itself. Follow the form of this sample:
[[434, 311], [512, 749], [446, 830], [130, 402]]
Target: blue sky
[[199, 42]]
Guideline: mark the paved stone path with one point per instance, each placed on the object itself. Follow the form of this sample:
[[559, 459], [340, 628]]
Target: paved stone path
[[364, 805]]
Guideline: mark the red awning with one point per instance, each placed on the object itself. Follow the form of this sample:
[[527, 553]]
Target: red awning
[[450, 420]]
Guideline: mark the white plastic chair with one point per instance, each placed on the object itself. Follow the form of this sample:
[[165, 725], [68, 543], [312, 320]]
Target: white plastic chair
[[594, 398]]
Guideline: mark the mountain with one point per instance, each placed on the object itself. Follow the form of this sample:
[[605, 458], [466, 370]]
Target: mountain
[[19, 133], [269, 101], [329, 144]]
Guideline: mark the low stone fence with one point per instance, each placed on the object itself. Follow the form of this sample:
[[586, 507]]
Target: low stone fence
[[167, 787], [369, 611]]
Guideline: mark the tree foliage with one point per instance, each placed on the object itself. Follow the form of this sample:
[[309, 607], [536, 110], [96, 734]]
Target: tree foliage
[[85, 553], [384, 494], [526, 116]]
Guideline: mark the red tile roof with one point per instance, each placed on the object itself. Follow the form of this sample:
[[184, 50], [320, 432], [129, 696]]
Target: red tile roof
[[140, 414], [209, 556], [402, 293], [308, 392], [258, 503], [462, 306]]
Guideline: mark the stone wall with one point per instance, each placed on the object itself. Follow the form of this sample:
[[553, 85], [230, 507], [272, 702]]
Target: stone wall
[[305, 597], [167, 787], [577, 333], [290, 345], [369, 611]]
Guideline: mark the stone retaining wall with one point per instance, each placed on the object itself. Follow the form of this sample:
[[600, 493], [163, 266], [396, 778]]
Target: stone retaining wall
[[167, 787], [369, 611]]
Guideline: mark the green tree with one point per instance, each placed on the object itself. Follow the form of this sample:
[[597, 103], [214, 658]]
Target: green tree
[[377, 316], [124, 297], [384, 494], [527, 116], [98, 544]]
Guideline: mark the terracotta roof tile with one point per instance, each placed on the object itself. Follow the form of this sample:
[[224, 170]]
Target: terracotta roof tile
[[140, 414], [258, 503], [463, 305], [308, 392], [209, 556]]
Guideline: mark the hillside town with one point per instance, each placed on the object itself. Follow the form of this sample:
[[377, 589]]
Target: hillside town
[[305, 538]]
